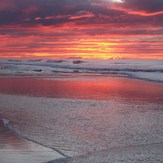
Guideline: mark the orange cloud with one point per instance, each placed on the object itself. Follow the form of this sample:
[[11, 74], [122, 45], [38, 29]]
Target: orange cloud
[[87, 29]]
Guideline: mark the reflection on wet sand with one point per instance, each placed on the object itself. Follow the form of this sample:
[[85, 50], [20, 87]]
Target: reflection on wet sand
[[14, 149], [115, 120], [112, 88]]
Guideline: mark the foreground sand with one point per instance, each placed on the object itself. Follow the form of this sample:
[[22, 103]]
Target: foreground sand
[[90, 121], [87, 130]]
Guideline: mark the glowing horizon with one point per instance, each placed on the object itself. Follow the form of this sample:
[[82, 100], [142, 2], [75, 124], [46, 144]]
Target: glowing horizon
[[88, 29]]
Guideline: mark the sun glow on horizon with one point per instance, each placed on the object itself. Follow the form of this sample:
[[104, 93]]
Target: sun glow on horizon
[[86, 29]]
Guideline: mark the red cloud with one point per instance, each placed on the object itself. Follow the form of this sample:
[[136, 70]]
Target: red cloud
[[6, 4]]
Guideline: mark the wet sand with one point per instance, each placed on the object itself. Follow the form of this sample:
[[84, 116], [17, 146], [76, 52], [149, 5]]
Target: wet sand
[[86, 88], [115, 121], [14, 149]]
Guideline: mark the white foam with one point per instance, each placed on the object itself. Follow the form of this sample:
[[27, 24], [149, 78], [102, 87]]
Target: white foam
[[5, 122], [142, 69]]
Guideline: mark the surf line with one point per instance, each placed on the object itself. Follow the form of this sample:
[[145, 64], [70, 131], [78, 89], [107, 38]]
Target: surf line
[[6, 124]]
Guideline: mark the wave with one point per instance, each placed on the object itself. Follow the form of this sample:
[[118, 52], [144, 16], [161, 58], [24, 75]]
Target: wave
[[141, 69]]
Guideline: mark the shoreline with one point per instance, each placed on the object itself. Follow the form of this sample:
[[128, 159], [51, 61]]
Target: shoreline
[[29, 148], [78, 76], [19, 134]]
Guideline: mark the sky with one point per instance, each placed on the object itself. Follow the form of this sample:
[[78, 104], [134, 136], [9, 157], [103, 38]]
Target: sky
[[81, 29]]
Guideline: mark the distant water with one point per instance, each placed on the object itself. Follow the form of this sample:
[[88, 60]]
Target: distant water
[[142, 69]]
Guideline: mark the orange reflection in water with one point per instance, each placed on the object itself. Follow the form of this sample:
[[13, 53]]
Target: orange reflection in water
[[111, 88]]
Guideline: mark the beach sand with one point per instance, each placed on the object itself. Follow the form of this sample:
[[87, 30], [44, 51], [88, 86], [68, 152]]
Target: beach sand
[[119, 128]]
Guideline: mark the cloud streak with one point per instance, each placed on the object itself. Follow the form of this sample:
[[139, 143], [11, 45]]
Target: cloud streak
[[88, 28]]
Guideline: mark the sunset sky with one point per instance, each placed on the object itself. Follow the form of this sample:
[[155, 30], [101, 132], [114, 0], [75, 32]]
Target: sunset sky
[[81, 28]]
